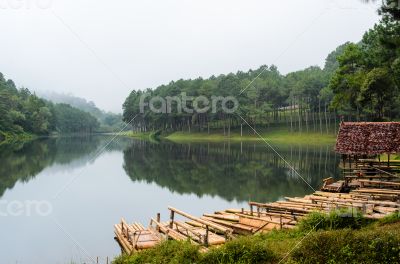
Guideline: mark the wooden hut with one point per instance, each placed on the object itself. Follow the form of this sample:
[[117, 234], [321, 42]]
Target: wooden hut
[[362, 146], [368, 138]]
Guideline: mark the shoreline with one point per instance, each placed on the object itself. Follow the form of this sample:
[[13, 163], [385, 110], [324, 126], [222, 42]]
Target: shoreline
[[11, 138], [273, 136]]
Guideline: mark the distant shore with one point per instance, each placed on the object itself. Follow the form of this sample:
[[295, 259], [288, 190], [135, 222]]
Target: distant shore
[[278, 136]]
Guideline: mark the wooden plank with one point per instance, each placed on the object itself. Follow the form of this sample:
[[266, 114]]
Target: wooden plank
[[397, 184], [189, 231], [377, 191], [287, 215], [236, 227], [279, 208], [230, 217], [382, 203], [171, 232], [258, 223], [201, 221], [212, 239]]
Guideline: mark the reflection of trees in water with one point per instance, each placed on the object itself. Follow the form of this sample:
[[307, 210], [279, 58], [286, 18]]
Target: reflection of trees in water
[[22, 162], [231, 171]]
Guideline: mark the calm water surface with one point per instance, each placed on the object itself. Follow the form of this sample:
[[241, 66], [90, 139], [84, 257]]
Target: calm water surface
[[89, 187]]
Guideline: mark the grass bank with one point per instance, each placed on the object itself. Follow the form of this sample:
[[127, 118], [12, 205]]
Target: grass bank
[[141, 135], [153, 135], [352, 240], [278, 136]]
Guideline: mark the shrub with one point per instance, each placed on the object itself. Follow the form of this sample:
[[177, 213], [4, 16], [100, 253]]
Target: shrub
[[175, 252], [337, 219], [349, 246], [390, 219], [243, 250]]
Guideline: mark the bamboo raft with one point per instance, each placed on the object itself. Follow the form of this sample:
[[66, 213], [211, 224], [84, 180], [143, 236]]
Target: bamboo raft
[[213, 229]]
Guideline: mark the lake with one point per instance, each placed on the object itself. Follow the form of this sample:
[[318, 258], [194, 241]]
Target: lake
[[60, 197]]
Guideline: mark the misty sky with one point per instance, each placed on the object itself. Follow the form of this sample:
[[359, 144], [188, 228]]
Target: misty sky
[[101, 50]]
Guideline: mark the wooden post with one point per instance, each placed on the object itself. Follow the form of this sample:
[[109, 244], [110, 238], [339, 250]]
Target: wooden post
[[350, 164], [158, 220], [344, 165], [251, 209], [171, 223], [356, 160], [206, 237]]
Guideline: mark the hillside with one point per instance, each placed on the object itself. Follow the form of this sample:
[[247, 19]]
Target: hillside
[[24, 115], [109, 122]]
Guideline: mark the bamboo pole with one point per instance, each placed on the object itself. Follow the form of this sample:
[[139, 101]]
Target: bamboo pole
[[206, 223]]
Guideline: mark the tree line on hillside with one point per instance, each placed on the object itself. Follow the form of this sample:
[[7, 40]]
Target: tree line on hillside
[[299, 100], [109, 122], [24, 112], [265, 97], [359, 82]]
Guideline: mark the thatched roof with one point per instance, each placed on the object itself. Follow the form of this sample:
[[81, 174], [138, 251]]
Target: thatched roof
[[368, 138]]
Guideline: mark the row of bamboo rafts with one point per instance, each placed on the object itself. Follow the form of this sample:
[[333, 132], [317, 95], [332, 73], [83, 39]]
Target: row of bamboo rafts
[[209, 230], [218, 227]]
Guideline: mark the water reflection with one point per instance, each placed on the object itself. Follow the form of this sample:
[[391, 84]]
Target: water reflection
[[22, 162], [132, 171], [237, 171]]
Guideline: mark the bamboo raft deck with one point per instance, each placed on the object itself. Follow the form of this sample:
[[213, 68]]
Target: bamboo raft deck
[[213, 229]]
